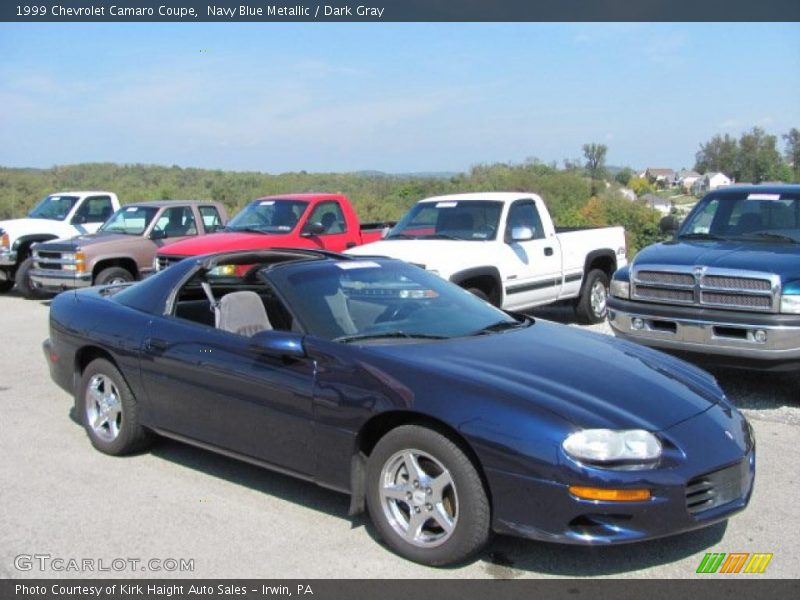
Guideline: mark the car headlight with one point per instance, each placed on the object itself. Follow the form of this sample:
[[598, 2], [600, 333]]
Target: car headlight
[[607, 446], [790, 304], [5, 241]]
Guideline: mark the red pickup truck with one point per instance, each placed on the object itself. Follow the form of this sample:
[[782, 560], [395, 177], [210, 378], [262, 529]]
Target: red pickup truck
[[319, 221]]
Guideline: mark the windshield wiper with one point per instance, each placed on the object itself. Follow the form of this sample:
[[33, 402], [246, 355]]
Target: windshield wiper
[[502, 326], [247, 230], [388, 334], [774, 236], [700, 236], [398, 236]]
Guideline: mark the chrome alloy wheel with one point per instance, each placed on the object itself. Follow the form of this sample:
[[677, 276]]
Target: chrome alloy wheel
[[419, 498], [103, 408], [598, 299]]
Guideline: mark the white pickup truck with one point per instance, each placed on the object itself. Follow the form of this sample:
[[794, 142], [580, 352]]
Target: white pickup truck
[[503, 247], [57, 216]]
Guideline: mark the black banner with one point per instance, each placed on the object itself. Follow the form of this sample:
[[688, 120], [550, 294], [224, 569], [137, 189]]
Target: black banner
[[440, 589], [399, 10]]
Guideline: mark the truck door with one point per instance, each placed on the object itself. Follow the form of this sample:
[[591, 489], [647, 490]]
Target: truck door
[[326, 227], [532, 268]]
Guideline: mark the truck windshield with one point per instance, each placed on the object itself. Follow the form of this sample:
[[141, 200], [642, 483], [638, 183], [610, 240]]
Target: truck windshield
[[269, 216], [130, 220], [751, 216], [55, 208], [473, 220]]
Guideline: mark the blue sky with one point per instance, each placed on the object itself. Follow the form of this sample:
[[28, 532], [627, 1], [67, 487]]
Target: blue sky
[[392, 97]]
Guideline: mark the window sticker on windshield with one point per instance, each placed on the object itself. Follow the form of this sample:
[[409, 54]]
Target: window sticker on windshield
[[446, 204], [764, 197], [284, 228], [358, 264], [266, 203], [131, 209]]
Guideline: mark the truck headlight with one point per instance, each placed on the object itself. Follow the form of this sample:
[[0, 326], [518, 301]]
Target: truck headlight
[[5, 241], [620, 289], [790, 304], [607, 446], [77, 261]]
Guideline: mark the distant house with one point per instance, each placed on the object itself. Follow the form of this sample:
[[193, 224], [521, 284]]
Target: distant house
[[627, 193], [709, 182], [660, 177], [662, 205], [685, 179]]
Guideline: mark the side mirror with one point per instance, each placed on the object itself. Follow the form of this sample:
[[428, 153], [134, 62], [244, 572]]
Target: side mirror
[[315, 228], [668, 224], [280, 344], [158, 234], [79, 219], [521, 234], [385, 232]]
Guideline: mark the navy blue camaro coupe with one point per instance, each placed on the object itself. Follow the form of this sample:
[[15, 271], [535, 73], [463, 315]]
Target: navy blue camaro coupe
[[442, 415]]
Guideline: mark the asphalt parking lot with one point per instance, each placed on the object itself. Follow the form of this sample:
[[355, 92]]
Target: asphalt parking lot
[[59, 497]]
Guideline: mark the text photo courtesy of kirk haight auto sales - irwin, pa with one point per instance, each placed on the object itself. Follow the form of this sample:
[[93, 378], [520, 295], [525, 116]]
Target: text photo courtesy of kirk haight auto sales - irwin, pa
[[376, 300]]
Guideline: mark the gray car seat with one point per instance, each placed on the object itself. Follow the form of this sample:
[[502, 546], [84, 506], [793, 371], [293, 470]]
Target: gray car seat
[[243, 313]]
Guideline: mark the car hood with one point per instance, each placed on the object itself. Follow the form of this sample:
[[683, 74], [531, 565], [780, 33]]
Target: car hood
[[425, 252], [589, 379], [779, 259], [89, 239], [226, 242]]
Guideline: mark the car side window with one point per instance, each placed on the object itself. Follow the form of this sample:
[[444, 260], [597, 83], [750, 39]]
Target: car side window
[[176, 221], [330, 215], [95, 209], [211, 219], [524, 214]]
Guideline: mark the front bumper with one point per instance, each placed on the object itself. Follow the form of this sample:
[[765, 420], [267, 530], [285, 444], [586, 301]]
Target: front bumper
[[713, 336], [57, 281], [544, 510]]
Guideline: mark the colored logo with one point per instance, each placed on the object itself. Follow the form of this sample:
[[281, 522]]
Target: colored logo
[[735, 562]]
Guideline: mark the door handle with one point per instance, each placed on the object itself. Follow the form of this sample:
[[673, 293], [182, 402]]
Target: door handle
[[151, 344], [548, 251]]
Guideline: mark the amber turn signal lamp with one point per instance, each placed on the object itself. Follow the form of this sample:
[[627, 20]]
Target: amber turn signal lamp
[[608, 495]]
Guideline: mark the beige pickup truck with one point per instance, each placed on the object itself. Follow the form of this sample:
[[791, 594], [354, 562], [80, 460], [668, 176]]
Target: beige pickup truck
[[124, 248]]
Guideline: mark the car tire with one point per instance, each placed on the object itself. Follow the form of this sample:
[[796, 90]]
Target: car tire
[[414, 470], [592, 306], [479, 293], [109, 411], [113, 275], [24, 283]]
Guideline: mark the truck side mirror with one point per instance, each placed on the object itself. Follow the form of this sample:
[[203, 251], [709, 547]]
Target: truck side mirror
[[521, 234], [315, 228], [668, 224], [79, 219], [158, 234]]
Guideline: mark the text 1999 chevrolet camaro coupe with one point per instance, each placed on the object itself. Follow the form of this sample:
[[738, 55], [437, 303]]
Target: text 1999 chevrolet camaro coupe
[[445, 416]]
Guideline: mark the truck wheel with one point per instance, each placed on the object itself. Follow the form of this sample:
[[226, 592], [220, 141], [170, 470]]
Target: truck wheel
[[479, 293], [24, 283], [113, 275], [592, 305]]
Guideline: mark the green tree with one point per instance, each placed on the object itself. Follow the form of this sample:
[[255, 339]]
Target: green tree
[[595, 155], [758, 159], [792, 153], [624, 176], [719, 154]]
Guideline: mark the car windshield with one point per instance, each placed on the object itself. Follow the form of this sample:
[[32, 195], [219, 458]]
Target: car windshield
[[269, 216], [130, 220], [369, 300], [752, 216], [55, 208], [474, 220]]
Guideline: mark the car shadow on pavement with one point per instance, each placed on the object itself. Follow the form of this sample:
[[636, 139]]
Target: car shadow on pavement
[[560, 313], [509, 557], [505, 557], [759, 389]]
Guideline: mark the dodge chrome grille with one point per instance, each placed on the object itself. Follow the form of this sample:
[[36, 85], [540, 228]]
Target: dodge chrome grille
[[706, 286]]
